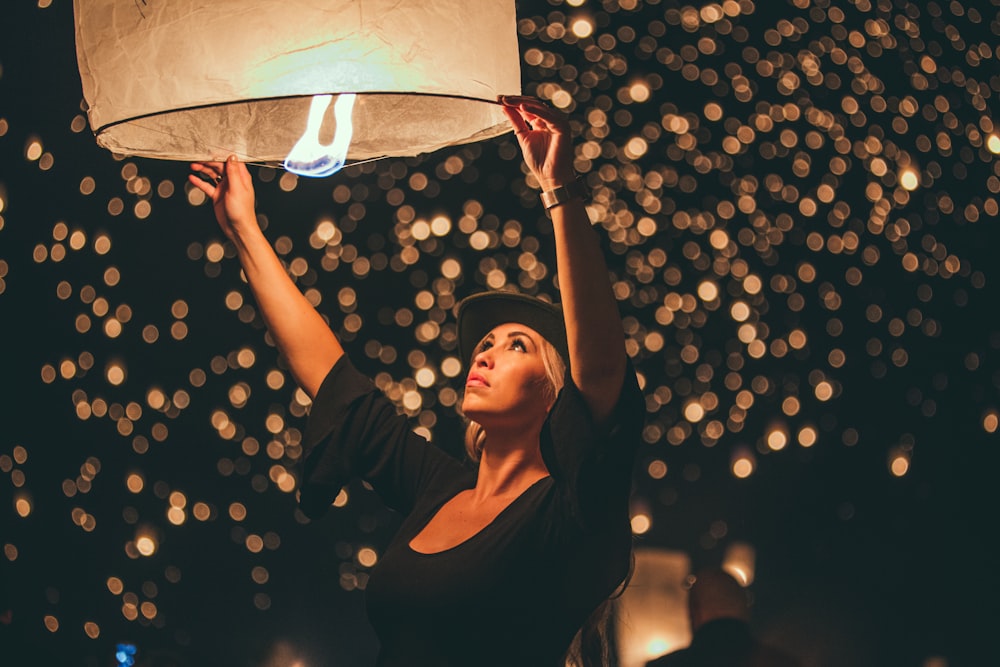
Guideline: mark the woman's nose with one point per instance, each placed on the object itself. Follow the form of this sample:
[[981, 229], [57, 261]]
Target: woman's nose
[[483, 358]]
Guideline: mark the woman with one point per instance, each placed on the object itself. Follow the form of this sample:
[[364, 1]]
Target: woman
[[500, 563]]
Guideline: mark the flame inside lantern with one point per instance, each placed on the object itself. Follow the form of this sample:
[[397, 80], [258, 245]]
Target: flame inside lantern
[[308, 156]]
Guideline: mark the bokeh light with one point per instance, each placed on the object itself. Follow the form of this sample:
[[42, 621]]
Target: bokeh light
[[798, 202]]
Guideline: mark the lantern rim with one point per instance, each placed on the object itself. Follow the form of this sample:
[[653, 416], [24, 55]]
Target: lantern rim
[[130, 137], [196, 107]]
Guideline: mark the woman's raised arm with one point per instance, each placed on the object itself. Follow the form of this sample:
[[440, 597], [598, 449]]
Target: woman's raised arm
[[302, 336], [593, 324]]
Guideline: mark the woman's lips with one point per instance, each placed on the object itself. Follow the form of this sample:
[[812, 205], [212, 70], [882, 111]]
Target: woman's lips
[[476, 380]]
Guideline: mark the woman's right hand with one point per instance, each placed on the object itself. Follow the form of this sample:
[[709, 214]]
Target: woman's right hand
[[303, 336], [230, 188]]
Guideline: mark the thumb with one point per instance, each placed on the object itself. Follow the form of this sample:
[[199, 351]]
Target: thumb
[[237, 170]]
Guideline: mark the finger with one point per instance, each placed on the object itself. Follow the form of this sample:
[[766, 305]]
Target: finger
[[516, 119], [540, 116], [536, 109], [546, 125], [237, 171], [203, 185], [530, 104], [553, 126], [210, 165], [211, 171], [515, 100]]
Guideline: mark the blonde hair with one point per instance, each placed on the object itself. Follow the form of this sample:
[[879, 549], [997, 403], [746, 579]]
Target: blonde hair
[[555, 372]]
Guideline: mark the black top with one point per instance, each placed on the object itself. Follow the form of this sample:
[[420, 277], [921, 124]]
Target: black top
[[725, 642], [516, 592]]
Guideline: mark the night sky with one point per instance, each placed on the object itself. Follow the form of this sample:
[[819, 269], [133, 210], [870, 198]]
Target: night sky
[[799, 203]]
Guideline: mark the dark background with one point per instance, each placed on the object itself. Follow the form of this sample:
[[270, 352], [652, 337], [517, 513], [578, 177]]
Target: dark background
[[854, 566]]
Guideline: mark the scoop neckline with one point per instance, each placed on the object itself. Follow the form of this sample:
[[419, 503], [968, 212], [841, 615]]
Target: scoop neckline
[[479, 532]]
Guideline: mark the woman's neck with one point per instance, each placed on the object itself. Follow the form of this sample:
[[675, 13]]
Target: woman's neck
[[508, 466]]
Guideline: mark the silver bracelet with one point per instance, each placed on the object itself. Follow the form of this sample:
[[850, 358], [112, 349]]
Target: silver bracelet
[[563, 193]]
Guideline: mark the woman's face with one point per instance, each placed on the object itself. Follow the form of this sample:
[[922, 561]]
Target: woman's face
[[506, 384]]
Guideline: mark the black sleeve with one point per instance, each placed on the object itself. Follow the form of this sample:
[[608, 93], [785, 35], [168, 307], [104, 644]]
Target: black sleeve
[[353, 430], [594, 466]]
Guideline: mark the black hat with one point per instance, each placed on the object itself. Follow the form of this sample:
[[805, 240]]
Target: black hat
[[480, 313]]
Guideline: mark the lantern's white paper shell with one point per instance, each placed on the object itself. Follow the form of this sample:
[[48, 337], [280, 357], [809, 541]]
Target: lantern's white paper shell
[[197, 80], [651, 614]]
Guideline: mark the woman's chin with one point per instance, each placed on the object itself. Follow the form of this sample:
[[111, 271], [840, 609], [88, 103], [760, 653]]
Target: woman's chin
[[469, 411], [476, 408]]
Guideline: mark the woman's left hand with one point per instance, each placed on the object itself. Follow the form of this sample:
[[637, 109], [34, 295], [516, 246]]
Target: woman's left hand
[[544, 136]]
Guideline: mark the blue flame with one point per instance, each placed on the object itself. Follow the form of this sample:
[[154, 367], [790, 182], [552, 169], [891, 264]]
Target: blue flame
[[308, 156]]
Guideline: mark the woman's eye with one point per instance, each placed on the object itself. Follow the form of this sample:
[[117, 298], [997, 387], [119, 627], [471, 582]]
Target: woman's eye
[[518, 344]]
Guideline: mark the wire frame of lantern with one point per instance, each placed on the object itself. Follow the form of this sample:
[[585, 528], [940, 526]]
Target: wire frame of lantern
[[309, 84]]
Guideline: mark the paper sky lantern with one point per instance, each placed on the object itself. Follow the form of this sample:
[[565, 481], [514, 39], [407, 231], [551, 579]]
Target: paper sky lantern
[[195, 80], [651, 615], [740, 561]]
